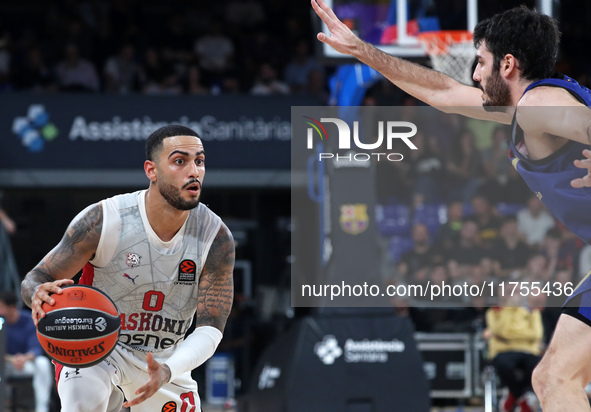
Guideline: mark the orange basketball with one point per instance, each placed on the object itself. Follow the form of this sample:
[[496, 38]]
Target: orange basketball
[[81, 329]]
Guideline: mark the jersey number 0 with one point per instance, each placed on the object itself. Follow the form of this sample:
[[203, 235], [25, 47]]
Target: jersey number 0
[[153, 301]]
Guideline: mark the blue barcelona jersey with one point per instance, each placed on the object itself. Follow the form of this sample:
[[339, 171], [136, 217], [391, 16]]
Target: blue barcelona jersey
[[550, 178]]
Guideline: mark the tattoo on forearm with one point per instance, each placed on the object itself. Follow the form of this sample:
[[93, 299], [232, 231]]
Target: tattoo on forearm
[[82, 235], [88, 227], [33, 279], [216, 286]]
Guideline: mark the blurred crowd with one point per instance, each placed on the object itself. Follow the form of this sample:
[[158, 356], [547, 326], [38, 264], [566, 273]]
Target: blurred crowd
[[259, 47], [456, 210], [475, 237], [239, 46], [483, 246]]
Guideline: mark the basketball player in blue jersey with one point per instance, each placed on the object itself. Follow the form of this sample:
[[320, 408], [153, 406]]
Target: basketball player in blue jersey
[[163, 258], [516, 54]]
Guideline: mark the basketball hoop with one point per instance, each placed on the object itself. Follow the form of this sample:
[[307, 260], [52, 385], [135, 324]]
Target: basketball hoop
[[451, 52]]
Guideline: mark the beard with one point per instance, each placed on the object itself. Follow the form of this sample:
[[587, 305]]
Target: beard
[[498, 92], [174, 198]]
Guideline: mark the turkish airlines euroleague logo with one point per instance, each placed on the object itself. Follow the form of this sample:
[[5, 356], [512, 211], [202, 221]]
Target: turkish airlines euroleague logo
[[187, 271]]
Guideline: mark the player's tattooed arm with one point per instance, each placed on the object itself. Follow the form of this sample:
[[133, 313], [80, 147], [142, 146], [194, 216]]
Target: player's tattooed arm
[[76, 247], [216, 285]]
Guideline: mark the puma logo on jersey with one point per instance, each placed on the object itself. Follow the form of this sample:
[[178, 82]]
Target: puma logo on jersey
[[125, 275]]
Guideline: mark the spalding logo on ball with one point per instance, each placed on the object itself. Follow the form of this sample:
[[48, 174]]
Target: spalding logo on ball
[[81, 329]]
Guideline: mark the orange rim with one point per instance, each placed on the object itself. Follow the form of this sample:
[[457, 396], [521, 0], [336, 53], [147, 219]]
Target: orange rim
[[436, 42]]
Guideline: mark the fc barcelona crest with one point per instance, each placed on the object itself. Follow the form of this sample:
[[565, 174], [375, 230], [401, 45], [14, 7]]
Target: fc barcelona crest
[[354, 219]]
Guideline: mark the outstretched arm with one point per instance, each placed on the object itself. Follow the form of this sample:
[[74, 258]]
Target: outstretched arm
[[430, 86], [59, 266]]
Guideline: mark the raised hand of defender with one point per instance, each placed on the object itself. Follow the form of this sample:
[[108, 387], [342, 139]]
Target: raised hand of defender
[[342, 39], [584, 181], [159, 375]]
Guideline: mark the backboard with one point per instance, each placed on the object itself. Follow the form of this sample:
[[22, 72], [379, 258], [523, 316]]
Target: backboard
[[393, 25]]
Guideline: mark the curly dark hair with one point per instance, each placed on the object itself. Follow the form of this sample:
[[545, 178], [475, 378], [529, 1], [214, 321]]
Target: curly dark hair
[[530, 36]]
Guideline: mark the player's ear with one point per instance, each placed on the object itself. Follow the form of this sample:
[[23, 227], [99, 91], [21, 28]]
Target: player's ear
[[508, 65], [151, 171]]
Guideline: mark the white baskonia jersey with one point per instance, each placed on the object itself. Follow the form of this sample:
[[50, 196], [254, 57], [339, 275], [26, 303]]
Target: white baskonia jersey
[[153, 283]]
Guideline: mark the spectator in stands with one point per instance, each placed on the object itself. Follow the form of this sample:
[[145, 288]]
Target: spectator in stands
[[193, 81], [465, 168], [482, 132], [262, 47], [244, 14], [426, 171], [297, 72], [516, 190], [5, 59], [466, 253], [215, 51], [231, 85], [9, 276], [509, 250], [489, 267], [495, 158], [176, 40], [449, 233], [420, 256], [496, 166], [6, 222], [156, 77], [24, 356], [514, 336], [122, 71], [75, 73], [470, 318], [393, 184], [488, 224], [315, 87], [34, 74], [536, 269], [554, 251], [534, 221], [421, 275], [267, 83]]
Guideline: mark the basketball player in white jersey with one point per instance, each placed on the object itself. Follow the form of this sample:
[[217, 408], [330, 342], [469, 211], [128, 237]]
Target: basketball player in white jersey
[[162, 257]]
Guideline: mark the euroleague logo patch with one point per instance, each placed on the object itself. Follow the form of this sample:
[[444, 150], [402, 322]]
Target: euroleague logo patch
[[169, 407], [187, 271]]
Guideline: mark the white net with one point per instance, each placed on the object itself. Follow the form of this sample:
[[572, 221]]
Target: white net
[[451, 53]]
